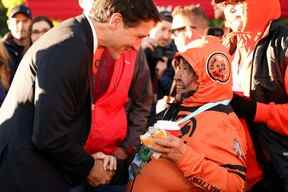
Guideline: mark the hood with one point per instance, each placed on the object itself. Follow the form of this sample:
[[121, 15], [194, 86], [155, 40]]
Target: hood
[[260, 13], [211, 62]]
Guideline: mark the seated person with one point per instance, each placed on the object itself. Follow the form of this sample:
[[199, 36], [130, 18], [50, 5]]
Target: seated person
[[209, 152]]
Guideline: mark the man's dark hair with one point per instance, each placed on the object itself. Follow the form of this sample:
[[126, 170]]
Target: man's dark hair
[[42, 18], [132, 11]]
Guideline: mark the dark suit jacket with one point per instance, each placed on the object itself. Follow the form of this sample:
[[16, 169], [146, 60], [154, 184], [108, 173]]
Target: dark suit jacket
[[45, 118]]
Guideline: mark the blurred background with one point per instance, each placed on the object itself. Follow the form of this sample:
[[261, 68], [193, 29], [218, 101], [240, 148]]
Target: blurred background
[[60, 10]]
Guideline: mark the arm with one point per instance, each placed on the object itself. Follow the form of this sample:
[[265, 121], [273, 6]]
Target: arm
[[274, 115], [199, 170], [62, 108], [141, 97]]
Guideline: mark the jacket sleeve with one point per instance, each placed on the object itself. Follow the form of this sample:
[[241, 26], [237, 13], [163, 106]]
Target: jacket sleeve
[[60, 101], [227, 173], [275, 115], [140, 101]]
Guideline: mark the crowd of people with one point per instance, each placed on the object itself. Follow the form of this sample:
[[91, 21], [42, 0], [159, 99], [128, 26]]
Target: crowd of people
[[76, 98]]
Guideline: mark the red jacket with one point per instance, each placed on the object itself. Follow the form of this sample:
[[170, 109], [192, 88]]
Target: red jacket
[[109, 119]]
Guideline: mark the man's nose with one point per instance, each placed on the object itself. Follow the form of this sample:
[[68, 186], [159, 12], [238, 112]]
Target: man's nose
[[177, 74]]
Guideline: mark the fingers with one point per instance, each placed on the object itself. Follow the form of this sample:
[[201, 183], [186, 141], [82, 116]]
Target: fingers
[[169, 142], [160, 149], [110, 163], [98, 176], [168, 147], [99, 155]]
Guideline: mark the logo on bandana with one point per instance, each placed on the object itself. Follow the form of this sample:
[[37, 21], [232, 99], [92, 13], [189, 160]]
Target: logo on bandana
[[219, 67]]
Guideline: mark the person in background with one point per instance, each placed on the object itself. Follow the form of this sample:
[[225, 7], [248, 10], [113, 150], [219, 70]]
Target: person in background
[[260, 79], [47, 116], [17, 40], [209, 152], [5, 71], [189, 24], [39, 26], [219, 17], [159, 51]]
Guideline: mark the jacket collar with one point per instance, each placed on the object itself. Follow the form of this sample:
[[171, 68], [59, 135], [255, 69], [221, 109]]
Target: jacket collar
[[85, 26]]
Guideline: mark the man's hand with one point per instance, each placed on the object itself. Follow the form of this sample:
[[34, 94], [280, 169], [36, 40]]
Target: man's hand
[[170, 147], [98, 175], [148, 43], [244, 107], [109, 161]]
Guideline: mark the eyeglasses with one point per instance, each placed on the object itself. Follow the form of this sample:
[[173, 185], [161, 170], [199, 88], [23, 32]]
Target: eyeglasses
[[178, 30], [36, 31]]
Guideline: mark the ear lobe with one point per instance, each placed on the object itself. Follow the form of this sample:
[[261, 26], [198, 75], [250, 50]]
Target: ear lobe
[[116, 20], [9, 24]]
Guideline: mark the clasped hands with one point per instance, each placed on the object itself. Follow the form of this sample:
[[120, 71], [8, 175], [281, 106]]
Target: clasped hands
[[103, 170]]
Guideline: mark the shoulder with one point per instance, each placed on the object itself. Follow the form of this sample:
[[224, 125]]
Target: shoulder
[[279, 33]]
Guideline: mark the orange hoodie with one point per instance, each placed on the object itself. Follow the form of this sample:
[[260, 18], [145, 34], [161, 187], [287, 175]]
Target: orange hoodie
[[216, 157]]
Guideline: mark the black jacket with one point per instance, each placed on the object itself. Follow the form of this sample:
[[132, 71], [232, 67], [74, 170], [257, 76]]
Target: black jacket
[[268, 71], [46, 115], [15, 51]]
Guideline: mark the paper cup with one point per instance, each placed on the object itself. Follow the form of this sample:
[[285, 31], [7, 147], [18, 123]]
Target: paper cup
[[170, 127]]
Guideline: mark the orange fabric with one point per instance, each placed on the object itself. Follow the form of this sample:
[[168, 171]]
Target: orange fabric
[[201, 168], [109, 122], [257, 22], [209, 90], [274, 115], [260, 13], [216, 152], [254, 171]]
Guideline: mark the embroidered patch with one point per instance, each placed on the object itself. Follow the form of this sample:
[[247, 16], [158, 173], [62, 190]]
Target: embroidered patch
[[218, 67], [238, 149]]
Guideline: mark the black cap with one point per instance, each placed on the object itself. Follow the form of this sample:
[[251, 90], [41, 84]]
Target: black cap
[[166, 16], [20, 9]]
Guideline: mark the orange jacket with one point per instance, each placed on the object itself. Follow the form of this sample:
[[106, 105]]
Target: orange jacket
[[216, 158]]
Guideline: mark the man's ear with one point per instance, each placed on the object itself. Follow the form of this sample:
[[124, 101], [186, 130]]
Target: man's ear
[[9, 24], [116, 20]]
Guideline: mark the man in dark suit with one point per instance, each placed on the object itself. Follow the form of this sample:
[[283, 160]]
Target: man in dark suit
[[46, 116]]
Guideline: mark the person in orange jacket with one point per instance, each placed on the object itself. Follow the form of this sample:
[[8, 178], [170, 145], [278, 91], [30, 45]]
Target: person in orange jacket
[[260, 73], [209, 151]]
